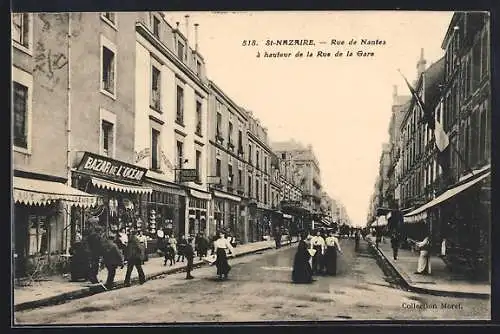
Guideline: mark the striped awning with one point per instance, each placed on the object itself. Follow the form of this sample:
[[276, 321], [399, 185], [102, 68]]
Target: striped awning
[[421, 211], [120, 187], [41, 192]]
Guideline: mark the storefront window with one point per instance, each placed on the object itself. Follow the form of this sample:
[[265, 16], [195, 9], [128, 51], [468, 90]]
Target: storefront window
[[38, 242]]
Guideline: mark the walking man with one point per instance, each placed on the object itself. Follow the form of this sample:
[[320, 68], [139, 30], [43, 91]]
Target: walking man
[[112, 259], [395, 245], [134, 257], [189, 254]]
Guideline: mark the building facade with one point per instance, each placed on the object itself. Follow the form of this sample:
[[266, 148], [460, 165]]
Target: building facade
[[261, 216], [465, 111], [227, 161], [172, 107]]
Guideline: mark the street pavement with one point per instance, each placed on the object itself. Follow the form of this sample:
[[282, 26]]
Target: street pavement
[[260, 289]]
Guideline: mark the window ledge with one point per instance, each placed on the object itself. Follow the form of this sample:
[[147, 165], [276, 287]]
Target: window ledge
[[179, 123], [158, 110], [110, 23], [198, 134], [22, 48], [22, 150], [108, 94]]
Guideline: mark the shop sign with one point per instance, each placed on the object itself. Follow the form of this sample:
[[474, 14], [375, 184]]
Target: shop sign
[[188, 175], [295, 204], [110, 168]]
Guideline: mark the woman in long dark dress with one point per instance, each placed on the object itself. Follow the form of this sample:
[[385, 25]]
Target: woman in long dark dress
[[302, 271]]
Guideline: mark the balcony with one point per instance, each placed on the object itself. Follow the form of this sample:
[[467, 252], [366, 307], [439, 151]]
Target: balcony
[[240, 189], [230, 145], [218, 138]]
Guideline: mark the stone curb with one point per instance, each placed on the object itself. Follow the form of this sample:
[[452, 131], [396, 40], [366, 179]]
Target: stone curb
[[89, 291], [436, 292]]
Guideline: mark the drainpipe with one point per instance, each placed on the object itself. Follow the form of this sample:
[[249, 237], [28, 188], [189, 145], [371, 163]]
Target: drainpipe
[[68, 132]]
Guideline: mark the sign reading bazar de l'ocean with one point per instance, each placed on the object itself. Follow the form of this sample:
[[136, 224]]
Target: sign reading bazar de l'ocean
[[111, 169]]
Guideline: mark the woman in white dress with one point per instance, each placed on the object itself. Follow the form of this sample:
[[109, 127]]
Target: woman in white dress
[[424, 263], [221, 245]]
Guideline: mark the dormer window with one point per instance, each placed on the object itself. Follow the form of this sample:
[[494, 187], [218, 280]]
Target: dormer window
[[156, 26], [180, 50]]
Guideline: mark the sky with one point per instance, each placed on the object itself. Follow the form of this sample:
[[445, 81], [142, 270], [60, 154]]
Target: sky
[[339, 105]]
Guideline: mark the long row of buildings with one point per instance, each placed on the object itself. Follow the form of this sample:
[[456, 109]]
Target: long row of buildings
[[445, 193], [114, 117]]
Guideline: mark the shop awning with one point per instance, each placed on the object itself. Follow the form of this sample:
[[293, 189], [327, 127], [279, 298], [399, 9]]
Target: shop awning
[[40, 192], [200, 194], [447, 195], [114, 186], [226, 196]]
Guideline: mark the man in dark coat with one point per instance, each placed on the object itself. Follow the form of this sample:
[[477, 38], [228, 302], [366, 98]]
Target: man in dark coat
[[94, 242], [395, 245], [189, 254], [202, 245], [134, 259], [112, 259]]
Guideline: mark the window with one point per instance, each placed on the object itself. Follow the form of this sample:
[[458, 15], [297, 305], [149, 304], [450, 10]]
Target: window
[[240, 177], [198, 67], [217, 167], [108, 70], [476, 64], [485, 54], [240, 142], [110, 17], [265, 164], [250, 194], [156, 26], [107, 138], [475, 140], [180, 105], [250, 154], [20, 119], [199, 118], [257, 159], [283, 156], [218, 124], [265, 193], [180, 154], [155, 88], [198, 166], [21, 29], [257, 192], [155, 149], [230, 174], [230, 133], [180, 50], [488, 130]]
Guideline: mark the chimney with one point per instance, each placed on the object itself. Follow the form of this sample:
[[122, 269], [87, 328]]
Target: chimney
[[421, 64], [196, 37], [186, 18], [177, 25], [394, 93]]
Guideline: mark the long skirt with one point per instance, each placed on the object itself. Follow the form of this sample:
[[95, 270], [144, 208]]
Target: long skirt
[[302, 272], [424, 264], [331, 261], [221, 262]]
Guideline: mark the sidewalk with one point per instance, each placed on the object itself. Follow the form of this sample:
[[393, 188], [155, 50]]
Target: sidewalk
[[441, 281], [57, 289]]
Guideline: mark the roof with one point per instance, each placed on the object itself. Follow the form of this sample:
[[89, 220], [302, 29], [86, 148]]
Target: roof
[[290, 145]]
